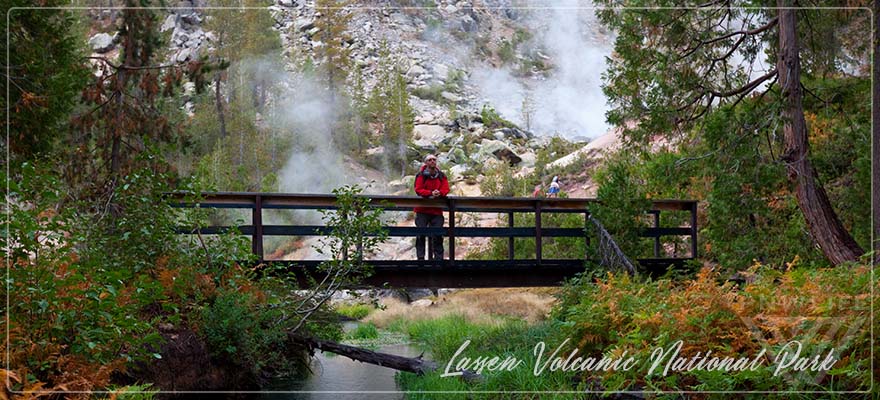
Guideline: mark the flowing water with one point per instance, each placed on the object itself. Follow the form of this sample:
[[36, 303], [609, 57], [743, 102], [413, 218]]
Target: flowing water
[[333, 374]]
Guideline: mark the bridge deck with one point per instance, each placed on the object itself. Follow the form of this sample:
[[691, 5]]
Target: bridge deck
[[452, 273], [470, 273]]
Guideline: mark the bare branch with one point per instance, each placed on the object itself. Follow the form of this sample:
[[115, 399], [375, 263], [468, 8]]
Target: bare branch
[[132, 68], [755, 31], [747, 88], [742, 96]]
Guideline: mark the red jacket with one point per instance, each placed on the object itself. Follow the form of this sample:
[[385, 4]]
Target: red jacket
[[425, 184]]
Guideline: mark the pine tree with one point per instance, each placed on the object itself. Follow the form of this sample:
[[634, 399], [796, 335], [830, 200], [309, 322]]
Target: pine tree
[[241, 155], [45, 76], [334, 53], [129, 111], [388, 107], [672, 66], [400, 117], [334, 56]]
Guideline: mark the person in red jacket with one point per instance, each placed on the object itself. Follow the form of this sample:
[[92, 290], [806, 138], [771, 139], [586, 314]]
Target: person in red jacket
[[430, 183]]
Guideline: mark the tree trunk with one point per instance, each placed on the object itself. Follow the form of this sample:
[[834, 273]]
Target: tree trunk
[[875, 156], [416, 365], [221, 116], [827, 230]]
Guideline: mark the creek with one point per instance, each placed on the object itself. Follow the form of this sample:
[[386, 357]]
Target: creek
[[332, 374]]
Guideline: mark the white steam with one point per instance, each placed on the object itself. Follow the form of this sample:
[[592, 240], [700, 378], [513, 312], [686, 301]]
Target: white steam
[[308, 113], [570, 102]]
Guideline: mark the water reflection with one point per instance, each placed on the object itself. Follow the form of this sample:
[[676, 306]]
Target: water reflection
[[342, 374]]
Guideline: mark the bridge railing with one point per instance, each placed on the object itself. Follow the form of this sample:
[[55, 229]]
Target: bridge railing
[[258, 202]]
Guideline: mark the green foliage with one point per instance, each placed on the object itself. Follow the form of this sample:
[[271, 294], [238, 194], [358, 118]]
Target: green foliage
[[507, 51], [442, 337], [228, 327], [492, 120], [748, 209], [335, 54], [129, 109], [617, 314], [357, 230], [89, 295], [46, 75], [388, 107], [674, 89], [238, 328], [556, 149], [364, 331], [434, 92], [499, 182], [354, 311], [136, 392], [551, 247], [231, 151], [622, 203]]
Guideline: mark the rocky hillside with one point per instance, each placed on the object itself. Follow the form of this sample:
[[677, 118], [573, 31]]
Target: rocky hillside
[[490, 83], [460, 59]]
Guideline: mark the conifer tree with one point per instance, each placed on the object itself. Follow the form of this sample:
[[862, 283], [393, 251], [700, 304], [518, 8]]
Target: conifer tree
[[45, 76], [672, 66], [129, 112], [238, 153], [335, 63], [389, 108], [400, 117], [334, 52]]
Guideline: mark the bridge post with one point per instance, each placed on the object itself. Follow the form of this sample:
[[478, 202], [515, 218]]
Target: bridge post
[[656, 238], [510, 249], [538, 232], [587, 234], [257, 221], [451, 232]]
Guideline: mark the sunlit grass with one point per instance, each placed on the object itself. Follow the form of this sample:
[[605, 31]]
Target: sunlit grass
[[489, 307], [354, 311]]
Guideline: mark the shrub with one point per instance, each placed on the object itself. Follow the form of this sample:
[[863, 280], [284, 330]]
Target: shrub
[[91, 283], [822, 308], [492, 120]]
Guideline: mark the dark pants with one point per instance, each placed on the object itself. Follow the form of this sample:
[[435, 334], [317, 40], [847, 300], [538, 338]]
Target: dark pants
[[436, 246]]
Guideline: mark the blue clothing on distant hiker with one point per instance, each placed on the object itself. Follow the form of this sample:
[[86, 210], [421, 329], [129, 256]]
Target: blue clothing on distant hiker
[[554, 187]]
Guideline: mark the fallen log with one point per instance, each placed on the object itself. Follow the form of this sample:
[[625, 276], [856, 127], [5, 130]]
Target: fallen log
[[409, 364]]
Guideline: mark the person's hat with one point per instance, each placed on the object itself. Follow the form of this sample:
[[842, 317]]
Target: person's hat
[[430, 157]]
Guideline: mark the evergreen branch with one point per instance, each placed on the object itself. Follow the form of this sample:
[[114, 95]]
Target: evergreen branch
[[751, 32]]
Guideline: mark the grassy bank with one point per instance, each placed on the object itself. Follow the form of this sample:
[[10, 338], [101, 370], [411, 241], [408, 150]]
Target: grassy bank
[[827, 311]]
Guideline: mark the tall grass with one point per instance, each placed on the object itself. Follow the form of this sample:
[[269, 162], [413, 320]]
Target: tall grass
[[354, 311], [482, 306], [821, 308]]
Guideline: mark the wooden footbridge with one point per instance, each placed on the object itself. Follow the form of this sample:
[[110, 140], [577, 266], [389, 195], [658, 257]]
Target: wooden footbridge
[[453, 272]]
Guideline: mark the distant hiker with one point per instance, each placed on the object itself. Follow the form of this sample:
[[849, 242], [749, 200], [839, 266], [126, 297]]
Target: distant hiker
[[554, 188], [538, 191], [430, 183]]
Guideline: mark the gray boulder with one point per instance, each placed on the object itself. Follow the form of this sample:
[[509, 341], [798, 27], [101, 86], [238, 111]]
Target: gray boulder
[[303, 24], [499, 150], [426, 136], [451, 97], [102, 42]]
